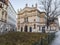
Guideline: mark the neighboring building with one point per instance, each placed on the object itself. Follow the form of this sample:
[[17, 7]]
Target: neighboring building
[[7, 16], [3, 14], [11, 20], [3, 10], [30, 19]]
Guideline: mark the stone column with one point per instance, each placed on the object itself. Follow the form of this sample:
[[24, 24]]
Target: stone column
[[23, 28], [28, 29], [41, 28]]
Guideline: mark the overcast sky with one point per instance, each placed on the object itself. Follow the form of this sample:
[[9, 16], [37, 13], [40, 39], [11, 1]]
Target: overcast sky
[[17, 4]]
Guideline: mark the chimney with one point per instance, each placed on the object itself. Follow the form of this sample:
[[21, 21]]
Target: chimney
[[32, 6], [36, 5], [26, 5]]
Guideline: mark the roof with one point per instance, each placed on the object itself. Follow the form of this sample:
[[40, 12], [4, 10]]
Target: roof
[[27, 9]]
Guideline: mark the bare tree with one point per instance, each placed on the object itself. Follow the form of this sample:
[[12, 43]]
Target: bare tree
[[52, 9]]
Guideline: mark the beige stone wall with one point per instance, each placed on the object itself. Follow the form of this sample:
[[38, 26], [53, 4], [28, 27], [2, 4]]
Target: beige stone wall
[[21, 20], [3, 11], [33, 18]]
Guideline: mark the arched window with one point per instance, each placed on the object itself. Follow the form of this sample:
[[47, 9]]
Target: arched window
[[21, 29], [26, 28], [43, 29], [30, 29]]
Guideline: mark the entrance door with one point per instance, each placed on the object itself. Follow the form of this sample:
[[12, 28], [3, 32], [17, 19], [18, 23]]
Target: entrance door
[[30, 29], [26, 28], [21, 29], [43, 29]]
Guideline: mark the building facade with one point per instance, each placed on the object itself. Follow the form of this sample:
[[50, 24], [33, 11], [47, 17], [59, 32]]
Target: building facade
[[11, 20], [30, 19]]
